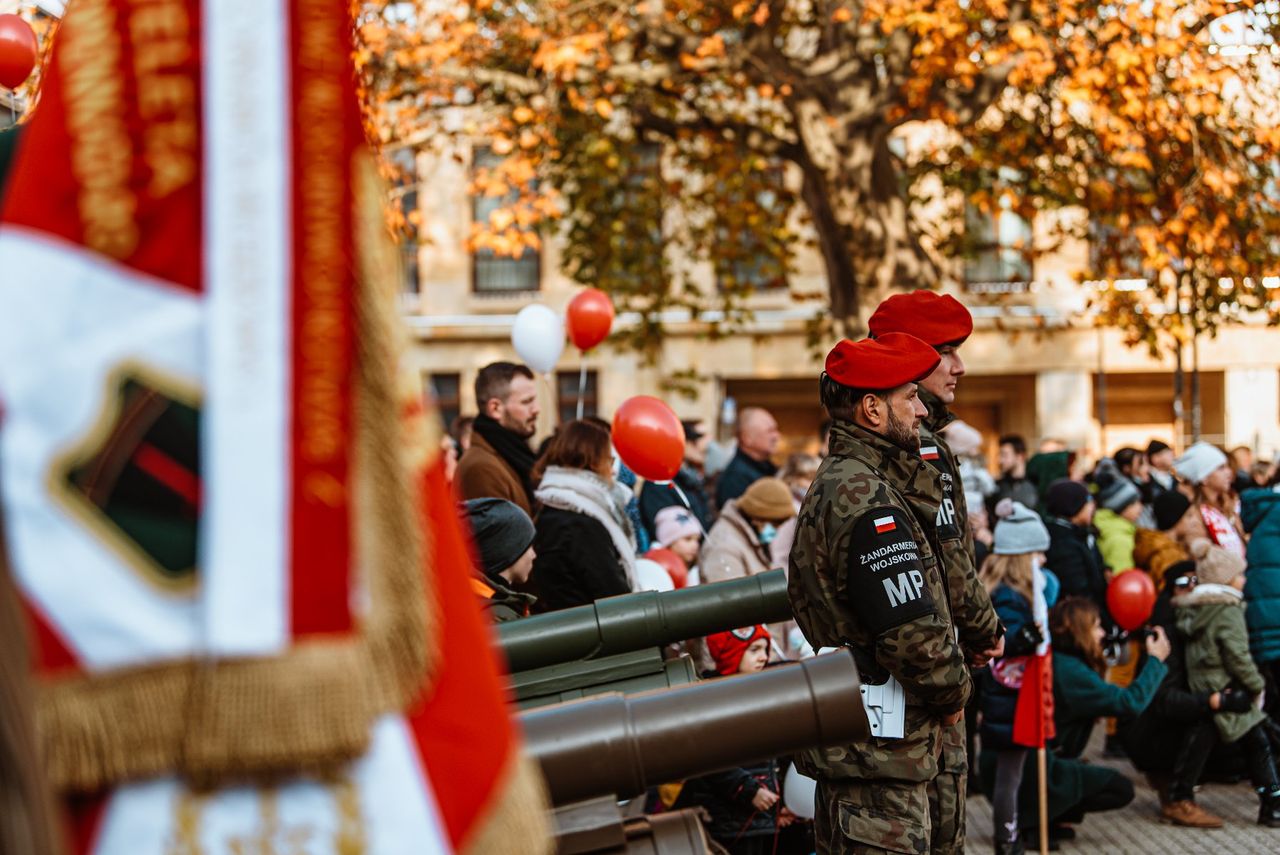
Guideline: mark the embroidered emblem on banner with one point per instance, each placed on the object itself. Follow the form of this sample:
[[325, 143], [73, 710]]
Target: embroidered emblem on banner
[[134, 480]]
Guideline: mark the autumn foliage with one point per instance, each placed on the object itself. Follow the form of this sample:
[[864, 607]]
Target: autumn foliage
[[667, 137]]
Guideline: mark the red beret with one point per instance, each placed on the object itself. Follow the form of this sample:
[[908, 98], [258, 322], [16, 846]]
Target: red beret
[[881, 363], [936, 319]]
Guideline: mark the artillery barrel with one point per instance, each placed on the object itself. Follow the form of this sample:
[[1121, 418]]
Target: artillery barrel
[[616, 744], [647, 619]]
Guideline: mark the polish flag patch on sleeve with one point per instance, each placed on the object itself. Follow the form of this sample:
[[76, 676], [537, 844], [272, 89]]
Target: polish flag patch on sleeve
[[929, 452], [885, 525]]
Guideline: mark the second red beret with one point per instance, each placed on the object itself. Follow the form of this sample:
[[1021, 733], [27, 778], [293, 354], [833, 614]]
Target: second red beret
[[934, 318]]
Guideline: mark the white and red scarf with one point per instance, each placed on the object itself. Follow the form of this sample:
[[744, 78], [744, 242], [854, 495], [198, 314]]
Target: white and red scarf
[[1221, 530]]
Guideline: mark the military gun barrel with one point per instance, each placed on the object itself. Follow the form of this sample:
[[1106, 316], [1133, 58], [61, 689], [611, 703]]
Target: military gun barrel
[[647, 619], [621, 744]]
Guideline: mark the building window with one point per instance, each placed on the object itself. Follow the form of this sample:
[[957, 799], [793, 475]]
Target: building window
[[1115, 256], [998, 241], [444, 389], [405, 196], [493, 273], [747, 259], [567, 387]]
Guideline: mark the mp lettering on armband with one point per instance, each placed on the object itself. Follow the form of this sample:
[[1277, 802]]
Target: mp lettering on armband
[[887, 584]]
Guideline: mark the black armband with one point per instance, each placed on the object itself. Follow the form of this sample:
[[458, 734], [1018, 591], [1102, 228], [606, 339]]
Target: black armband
[[886, 569]]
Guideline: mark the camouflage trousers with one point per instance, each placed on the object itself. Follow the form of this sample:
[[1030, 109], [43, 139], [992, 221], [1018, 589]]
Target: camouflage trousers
[[946, 812], [947, 793], [855, 817]]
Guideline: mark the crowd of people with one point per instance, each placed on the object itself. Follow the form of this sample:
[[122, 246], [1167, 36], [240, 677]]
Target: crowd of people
[[1191, 697]]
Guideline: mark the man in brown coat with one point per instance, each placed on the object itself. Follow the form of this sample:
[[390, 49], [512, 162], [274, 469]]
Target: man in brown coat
[[497, 464]]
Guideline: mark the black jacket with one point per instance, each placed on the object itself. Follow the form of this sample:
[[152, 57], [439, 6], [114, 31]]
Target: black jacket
[[1074, 558], [1019, 489], [576, 562], [741, 473], [655, 497], [727, 797]]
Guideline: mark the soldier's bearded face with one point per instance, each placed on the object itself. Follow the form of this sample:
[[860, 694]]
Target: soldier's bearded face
[[905, 412], [906, 434]]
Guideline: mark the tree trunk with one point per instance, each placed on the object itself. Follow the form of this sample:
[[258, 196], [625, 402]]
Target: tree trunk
[[865, 232]]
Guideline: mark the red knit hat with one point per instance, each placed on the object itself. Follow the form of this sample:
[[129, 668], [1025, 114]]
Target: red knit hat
[[727, 648], [935, 318], [881, 363]]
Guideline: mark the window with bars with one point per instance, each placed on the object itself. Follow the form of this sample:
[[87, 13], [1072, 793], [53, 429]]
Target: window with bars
[[405, 196], [748, 261], [1000, 240], [445, 389], [567, 394], [493, 273]]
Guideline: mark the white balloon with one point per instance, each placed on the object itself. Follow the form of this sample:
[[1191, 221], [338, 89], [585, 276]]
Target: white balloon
[[799, 792], [652, 576], [538, 337]]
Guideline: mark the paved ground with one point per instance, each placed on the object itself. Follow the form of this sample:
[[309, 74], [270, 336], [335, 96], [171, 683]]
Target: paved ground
[[1135, 829]]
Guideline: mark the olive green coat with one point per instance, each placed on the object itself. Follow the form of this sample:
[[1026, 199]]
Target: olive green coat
[[1211, 618]]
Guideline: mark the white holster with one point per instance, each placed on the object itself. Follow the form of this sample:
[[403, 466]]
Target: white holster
[[886, 706]]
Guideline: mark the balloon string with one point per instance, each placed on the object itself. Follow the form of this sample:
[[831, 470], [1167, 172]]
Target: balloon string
[[685, 500], [546, 384], [582, 386]]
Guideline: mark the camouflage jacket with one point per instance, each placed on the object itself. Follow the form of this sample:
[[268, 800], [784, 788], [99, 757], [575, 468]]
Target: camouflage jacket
[[975, 618], [865, 574]]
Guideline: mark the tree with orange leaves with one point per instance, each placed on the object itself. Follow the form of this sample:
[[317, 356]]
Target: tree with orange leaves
[[738, 114]]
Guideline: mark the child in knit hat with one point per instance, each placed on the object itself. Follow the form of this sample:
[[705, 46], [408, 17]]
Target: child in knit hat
[[1211, 618], [740, 651], [1013, 577], [1215, 508], [1116, 519], [502, 539], [677, 529], [744, 804]]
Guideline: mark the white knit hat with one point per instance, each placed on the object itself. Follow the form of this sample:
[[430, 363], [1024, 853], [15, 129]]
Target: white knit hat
[[1198, 462]]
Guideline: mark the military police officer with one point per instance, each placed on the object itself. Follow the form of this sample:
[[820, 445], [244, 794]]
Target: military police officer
[[942, 322], [866, 574]]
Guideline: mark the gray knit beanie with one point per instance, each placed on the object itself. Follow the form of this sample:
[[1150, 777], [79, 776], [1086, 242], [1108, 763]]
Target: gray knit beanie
[[1019, 531], [502, 532], [1119, 494]]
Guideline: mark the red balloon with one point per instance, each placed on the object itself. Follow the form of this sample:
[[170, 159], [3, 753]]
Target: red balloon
[[589, 318], [1130, 598], [672, 563], [18, 51], [649, 438]]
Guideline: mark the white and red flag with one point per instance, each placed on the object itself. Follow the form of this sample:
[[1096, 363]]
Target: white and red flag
[[238, 554]]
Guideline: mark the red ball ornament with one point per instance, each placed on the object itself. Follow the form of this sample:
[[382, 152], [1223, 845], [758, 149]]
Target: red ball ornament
[[672, 563], [18, 51], [649, 438], [1130, 598], [589, 318]]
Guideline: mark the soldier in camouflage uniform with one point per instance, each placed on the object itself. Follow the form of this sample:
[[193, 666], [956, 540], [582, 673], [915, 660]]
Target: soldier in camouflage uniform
[[866, 574], [941, 321]]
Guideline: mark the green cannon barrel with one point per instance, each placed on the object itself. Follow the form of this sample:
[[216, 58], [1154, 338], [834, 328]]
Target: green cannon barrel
[[621, 744], [648, 619]]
